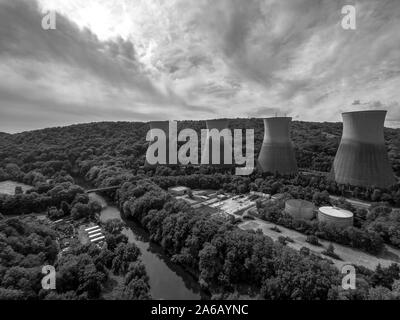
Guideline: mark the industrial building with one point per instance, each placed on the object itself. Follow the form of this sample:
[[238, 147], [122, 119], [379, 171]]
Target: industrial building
[[299, 209], [277, 153], [337, 217], [233, 206], [207, 155], [95, 235], [179, 191], [261, 194], [362, 158]]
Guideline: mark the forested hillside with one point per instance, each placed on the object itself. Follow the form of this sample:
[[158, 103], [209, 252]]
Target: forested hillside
[[113, 154], [316, 144]]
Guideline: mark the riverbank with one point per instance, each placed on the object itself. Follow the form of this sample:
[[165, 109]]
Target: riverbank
[[167, 279]]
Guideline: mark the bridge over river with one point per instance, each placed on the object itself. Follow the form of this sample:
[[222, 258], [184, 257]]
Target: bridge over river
[[103, 189]]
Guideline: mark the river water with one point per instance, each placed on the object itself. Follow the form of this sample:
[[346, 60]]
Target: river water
[[167, 280]]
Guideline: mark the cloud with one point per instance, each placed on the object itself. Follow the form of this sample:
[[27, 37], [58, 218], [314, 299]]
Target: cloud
[[393, 108], [23, 38], [57, 72], [196, 59]]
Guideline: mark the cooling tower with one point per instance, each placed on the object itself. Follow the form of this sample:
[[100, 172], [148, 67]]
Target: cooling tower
[[207, 157], [362, 158], [162, 125], [277, 154], [299, 209]]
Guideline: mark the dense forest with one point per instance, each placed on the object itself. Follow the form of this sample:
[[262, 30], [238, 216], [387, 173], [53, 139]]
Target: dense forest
[[225, 259], [82, 273], [315, 144]]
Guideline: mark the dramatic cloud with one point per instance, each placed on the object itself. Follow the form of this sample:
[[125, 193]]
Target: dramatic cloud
[[195, 59]]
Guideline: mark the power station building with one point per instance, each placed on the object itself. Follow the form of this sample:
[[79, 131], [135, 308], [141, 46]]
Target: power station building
[[299, 209], [335, 217], [362, 158], [277, 153], [207, 154]]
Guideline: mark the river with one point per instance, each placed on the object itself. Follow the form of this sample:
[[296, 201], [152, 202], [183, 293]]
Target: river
[[167, 280]]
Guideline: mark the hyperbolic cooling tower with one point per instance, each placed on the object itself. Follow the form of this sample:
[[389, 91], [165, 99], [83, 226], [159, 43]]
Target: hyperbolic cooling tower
[[219, 124], [299, 209], [277, 154], [362, 158]]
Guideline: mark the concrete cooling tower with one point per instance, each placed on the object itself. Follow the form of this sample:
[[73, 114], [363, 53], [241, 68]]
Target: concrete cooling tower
[[362, 158], [207, 157], [299, 209], [277, 153]]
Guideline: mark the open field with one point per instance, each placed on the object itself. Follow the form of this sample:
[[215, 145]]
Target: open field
[[8, 187], [347, 254]]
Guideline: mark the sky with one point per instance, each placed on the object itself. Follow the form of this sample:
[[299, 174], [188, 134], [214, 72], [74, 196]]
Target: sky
[[142, 60]]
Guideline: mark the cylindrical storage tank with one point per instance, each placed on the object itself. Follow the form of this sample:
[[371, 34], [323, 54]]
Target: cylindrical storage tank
[[164, 126], [224, 145], [362, 158], [277, 153], [299, 209], [337, 217]]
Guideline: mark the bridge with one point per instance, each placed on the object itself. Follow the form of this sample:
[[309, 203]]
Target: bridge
[[103, 189]]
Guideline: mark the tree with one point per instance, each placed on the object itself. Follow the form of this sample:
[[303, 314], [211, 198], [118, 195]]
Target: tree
[[305, 251], [65, 207], [137, 289], [275, 187], [311, 239], [54, 214], [331, 249], [124, 255], [380, 293], [297, 277], [14, 172], [376, 195], [11, 294], [209, 265], [282, 240], [385, 277], [114, 226], [397, 198], [18, 190], [79, 210]]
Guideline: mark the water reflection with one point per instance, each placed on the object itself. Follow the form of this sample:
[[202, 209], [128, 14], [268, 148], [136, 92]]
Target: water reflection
[[167, 280]]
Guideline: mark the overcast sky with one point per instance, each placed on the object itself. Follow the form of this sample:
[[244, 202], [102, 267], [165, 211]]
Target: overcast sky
[[195, 59]]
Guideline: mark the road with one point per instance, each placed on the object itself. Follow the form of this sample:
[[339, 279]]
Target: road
[[354, 202], [347, 254]]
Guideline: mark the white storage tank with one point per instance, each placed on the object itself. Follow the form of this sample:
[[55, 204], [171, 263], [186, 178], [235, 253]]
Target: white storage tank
[[335, 216], [299, 209]]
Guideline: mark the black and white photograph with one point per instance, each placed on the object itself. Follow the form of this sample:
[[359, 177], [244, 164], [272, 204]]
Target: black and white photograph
[[199, 155]]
